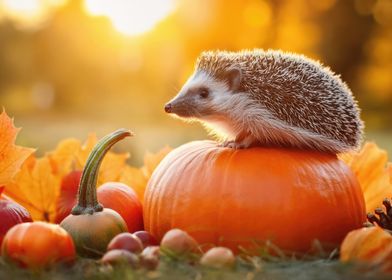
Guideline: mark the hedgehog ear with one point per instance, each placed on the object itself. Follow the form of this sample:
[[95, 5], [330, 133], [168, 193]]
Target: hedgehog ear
[[233, 76]]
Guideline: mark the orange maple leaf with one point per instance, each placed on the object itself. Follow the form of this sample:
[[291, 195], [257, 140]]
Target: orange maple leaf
[[374, 173], [36, 187], [138, 177], [71, 154], [11, 155]]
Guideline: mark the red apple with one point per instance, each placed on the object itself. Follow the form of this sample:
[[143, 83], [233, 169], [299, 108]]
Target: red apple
[[11, 213]]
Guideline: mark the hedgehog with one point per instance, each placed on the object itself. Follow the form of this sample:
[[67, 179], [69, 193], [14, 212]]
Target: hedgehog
[[270, 98]]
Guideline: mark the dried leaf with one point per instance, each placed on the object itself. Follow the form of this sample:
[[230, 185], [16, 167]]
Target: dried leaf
[[11, 156], [135, 178], [152, 160], [64, 157], [36, 187], [373, 172], [70, 155], [138, 178], [390, 172], [112, 168]]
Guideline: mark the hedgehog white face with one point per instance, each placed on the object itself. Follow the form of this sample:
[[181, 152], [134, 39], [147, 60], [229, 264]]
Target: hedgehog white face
[[203, 95]]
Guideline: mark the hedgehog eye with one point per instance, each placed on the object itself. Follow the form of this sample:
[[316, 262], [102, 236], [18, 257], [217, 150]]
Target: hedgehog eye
[[204, 93]]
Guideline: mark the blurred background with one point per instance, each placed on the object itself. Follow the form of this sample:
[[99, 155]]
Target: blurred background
[[72, 67]]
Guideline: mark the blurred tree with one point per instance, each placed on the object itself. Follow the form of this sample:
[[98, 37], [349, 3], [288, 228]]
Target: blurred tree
[[71, 64]]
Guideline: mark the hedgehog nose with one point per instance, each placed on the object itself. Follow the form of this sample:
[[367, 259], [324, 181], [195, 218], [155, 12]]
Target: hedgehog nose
[[168, 108]]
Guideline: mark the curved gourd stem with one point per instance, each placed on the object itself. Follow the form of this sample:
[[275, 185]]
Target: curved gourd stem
[[87, 194]]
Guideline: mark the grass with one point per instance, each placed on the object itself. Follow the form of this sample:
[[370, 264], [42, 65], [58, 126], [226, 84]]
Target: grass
[[253, 268]]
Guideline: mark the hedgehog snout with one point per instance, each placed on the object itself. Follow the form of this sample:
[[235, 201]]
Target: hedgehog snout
[[181, 106], [177, 107], [168, 108]]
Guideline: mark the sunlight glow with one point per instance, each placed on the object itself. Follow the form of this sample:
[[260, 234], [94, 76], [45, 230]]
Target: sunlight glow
[[23, 8], [131, 17], [28, 13]]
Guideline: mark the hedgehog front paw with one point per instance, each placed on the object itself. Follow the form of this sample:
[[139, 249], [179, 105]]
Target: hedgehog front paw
[[243, 142], [232, 144], [226, 144], [238, 146]]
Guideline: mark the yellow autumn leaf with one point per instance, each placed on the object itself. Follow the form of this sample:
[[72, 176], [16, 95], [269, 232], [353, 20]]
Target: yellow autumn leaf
[[138, 178], [64, 156], [11, 155], [71, 154], [374, 173], [390, 172], [152, 160], [135, 178], [36, 187]]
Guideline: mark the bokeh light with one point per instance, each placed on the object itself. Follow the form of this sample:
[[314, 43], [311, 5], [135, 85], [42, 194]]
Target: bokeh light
[[70, 67], [131, 17]]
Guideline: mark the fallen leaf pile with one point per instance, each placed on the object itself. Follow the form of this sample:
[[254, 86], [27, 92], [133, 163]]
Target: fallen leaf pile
[[37, 184], [374, 173]]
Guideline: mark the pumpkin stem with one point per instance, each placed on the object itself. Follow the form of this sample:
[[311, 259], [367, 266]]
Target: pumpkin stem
[[373, 219], [388, 206], [87, 194], [384, 218]]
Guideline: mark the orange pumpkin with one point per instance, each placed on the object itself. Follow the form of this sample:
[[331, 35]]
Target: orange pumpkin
[[38, 245], [122, 199], [371, 245], [244, 197], [113, 195]]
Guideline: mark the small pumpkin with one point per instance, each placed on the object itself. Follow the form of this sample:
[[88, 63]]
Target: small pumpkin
[[233, 198], [114, 195], [124, 200], [371, 245], [38, 245], [90, 224], [11, 213]]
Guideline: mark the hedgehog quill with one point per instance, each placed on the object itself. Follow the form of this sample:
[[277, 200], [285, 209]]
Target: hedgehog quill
[[270, 98]]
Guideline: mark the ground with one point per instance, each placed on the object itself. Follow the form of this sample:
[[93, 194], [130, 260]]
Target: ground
[[318, 269]]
